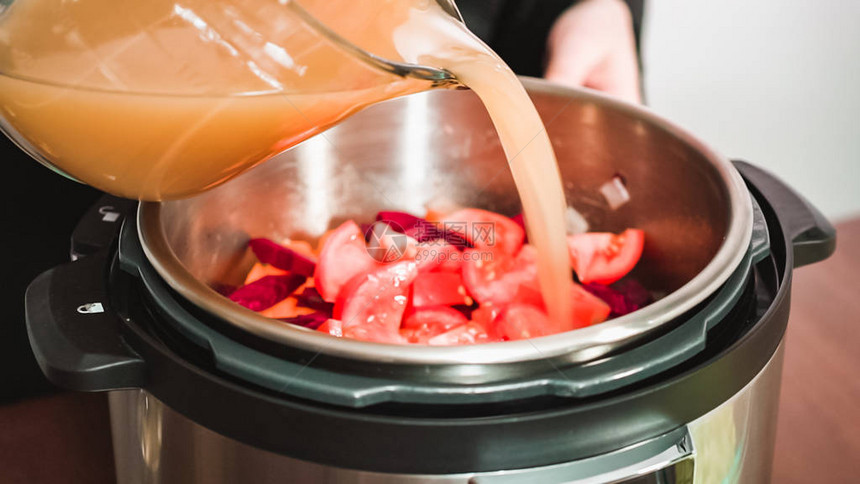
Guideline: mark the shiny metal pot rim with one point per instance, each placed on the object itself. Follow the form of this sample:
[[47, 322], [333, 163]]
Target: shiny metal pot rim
[[574, 346]]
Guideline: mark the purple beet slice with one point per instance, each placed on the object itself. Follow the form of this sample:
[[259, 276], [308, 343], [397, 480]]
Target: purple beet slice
[[520, 220], [267, 291], [634, 292], [623, 297], [311, 321], [421, 229], [311, 298], [283, 258]]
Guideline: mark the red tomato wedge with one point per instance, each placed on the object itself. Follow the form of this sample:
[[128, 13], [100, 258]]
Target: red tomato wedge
[[588, 309], [466, 334], [333, 327], [603, 257], [486, 230], [438, 255], [524, 321], [495, 277], [371, 305], [486, 315], [343, 256], [421, 324], [388, 245], [439, 289]]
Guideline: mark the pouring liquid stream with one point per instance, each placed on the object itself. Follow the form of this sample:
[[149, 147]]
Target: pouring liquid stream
[[431, 37], [162, 99]]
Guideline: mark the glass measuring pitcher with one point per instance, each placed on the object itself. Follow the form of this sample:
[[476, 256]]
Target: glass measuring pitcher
[[163, 99]]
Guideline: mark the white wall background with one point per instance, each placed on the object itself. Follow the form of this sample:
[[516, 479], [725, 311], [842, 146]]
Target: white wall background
[[776, 82]]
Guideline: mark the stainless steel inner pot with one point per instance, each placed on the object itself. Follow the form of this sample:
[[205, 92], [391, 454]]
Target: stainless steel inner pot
[[401, 154]]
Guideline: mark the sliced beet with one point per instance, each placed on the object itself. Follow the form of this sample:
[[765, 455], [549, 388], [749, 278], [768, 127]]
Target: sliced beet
[[267, 291], [520, 220], [311, 321], [311, 298], [284, 258], [634, 292], [420, 229], [224, 289], [400, 221], [623, 297]]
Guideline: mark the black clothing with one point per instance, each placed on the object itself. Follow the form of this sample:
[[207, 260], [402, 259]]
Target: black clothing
[[517, 29]]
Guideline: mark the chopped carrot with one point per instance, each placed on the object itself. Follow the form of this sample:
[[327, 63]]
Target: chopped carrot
[[286, 309], [300, 246], [439, 209], [260, 270]]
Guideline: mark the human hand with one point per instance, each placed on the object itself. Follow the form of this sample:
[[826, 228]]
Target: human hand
[[592, 44]]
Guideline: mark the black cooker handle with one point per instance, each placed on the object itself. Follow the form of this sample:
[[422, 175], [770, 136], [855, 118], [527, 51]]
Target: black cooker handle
[[98, 228], [811, 234], [73, 331]]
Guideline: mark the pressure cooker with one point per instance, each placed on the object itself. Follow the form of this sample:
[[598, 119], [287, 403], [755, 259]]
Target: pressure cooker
[[684, 390]]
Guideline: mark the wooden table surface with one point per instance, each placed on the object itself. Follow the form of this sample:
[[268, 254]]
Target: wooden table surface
[[818, 434], [65, 438]]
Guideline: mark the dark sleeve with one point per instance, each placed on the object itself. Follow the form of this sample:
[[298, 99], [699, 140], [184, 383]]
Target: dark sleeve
[[637, 10], [518, 29]]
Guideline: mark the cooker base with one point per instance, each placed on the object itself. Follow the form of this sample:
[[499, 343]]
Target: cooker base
[[732, 443]]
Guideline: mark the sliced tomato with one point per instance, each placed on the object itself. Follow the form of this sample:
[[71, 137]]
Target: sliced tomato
[[487, 315], [529, 293], [604, 257], [371, 305], [343, 256], [398, 247], [520, 220], [587, 308], [494, 277], [439, 289], [388, 245], [438, 255], [465, 334], [486, 230], [333, 327], [421, 324], [524, 321]]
